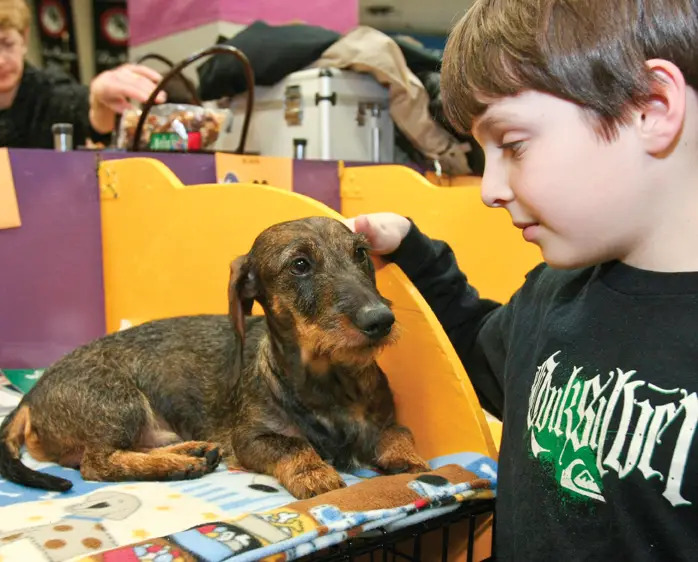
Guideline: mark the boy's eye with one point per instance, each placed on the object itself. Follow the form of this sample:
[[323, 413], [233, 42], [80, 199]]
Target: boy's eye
[[514, 147]]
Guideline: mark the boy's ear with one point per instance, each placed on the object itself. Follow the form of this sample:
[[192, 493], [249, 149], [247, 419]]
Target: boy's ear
[[661, 119]]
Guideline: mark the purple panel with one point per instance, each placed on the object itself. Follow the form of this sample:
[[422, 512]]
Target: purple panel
[[171, 17], [191, 169], [340, 15], [318, 179], [51, 290]]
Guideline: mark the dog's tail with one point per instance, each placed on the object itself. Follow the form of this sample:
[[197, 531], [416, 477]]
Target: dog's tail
[[11, 467]]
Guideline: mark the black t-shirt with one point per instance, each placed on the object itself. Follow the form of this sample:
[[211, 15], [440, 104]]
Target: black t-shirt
[[46, 97], [595, 374]]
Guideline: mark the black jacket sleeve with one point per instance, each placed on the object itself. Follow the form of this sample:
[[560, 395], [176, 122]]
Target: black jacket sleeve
[[476, 327], [70, 103], [45, 97]]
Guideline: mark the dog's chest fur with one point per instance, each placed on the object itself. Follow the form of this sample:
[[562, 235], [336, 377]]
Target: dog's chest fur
[[332, 412], [340, 410]]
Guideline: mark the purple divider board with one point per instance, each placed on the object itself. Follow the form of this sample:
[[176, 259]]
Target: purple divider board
[[51, 288], [191, 169], [318, 179]]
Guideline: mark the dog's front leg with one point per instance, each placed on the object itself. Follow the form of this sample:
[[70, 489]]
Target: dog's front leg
[[292, 461], [395, 451]]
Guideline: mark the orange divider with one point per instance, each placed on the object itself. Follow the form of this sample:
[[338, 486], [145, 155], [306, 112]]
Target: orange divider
[[167, 248]]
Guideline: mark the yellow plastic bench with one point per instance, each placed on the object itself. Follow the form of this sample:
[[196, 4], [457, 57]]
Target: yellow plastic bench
[[166, 250]]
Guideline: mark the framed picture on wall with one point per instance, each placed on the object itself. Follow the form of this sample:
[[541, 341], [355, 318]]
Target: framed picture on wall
[[57, 36], [111, 32]]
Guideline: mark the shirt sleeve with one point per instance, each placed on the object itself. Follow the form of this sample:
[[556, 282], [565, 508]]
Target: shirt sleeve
[[478, 328], [70, 103]]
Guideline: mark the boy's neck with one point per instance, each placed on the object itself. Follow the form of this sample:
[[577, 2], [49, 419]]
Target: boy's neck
[[671, 244]]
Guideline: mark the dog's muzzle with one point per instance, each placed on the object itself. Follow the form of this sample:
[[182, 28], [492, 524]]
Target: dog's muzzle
[[375, 321]]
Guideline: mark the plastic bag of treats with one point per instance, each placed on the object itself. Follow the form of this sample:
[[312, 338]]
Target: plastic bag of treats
[[173, 127]]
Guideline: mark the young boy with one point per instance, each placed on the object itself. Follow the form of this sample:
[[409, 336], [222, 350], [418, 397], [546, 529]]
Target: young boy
[[588, 115]]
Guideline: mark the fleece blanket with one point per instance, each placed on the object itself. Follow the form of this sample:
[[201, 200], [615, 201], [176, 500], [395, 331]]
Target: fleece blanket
[[228, 515]]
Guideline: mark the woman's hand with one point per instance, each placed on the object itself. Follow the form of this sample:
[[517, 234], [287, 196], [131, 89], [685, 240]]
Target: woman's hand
[[112, 90]]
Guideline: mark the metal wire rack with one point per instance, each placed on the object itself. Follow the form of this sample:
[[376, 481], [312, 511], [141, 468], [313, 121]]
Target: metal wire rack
[[406, 544]]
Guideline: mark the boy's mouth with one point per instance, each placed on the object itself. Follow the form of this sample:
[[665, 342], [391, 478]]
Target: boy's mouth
[[522, 224], [529, 230]]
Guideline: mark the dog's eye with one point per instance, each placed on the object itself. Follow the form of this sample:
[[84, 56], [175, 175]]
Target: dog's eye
[[300, 266], [360, 254]]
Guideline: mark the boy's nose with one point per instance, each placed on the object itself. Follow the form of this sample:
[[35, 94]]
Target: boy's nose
[[495, 190]]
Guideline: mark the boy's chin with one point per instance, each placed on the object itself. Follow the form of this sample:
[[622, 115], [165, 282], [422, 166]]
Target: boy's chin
[[568, 260]]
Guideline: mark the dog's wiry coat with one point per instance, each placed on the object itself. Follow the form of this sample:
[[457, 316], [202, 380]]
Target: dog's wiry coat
[[165, 399]]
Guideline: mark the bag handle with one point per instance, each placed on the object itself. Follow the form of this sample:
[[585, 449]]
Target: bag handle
[[214, 50], [170, 64]]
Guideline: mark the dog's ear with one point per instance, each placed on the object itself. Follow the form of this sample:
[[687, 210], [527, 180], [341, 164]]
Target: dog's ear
[[242, 289]]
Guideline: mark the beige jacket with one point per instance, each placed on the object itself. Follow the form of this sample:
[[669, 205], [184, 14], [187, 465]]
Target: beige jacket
[[365, 49]]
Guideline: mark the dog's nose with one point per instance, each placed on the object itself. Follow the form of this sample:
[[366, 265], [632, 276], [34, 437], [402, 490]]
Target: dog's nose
[[375, 321]]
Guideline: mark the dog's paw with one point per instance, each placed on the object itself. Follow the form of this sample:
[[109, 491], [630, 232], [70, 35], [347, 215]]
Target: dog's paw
[[210, 452], [396, 452], [190, 472], [313, 481], [398, 465], [188, 448], [213, 457], [198, 463]]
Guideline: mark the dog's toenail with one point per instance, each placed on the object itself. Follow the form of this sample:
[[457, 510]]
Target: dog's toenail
[[213, 457]]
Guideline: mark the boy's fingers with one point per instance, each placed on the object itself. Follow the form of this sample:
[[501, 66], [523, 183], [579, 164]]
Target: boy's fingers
[[363, 225], [359, 225]]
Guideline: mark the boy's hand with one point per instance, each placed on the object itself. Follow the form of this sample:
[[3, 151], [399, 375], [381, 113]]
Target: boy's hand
[[385, 231]]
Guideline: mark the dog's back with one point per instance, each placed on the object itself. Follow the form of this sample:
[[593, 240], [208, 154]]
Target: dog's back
[[184, 368], [174, 362]]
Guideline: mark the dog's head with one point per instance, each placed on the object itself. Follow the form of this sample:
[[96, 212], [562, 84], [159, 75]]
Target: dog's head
[[317, 284]]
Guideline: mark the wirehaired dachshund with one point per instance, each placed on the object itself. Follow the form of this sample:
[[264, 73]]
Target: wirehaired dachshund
[[295, 393]]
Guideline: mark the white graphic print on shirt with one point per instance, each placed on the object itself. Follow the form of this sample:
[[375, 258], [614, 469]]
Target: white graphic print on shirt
[[610, 424]]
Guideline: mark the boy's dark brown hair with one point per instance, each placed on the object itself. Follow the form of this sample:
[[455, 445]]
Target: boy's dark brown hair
[[590, 52]]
